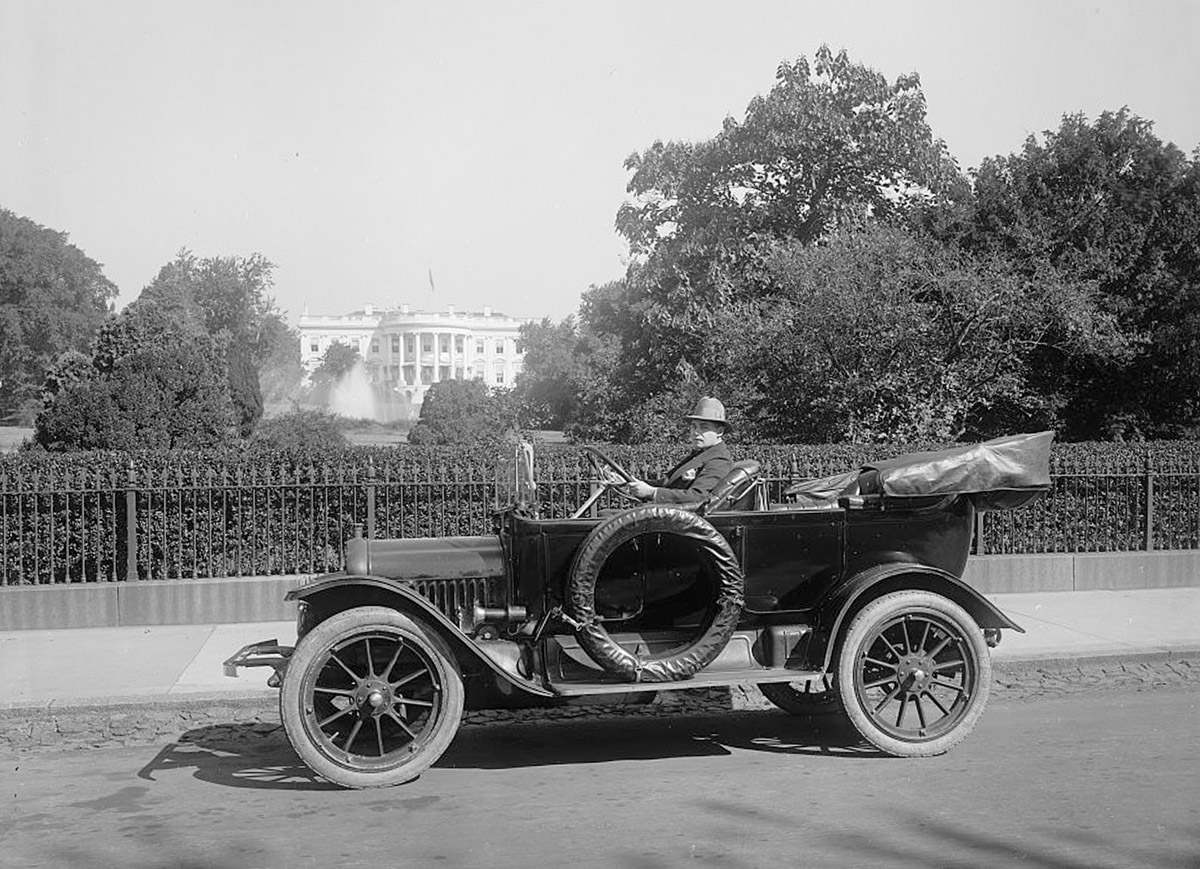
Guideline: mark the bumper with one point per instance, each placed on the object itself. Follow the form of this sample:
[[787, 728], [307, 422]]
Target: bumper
[[265, 653]]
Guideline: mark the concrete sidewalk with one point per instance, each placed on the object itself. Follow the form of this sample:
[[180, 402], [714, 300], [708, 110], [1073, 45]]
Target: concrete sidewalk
[[88, 665]]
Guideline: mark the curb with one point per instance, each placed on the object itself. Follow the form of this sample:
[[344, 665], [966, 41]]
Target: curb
[[140, 720], [197, 700], [249, 698], [1057, 663]]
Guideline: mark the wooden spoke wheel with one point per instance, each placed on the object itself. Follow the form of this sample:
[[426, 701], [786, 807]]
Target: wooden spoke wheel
[[371, 698], [914, 673]]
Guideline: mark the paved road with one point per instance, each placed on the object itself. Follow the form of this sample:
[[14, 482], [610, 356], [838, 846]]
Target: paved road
[[1104, 778]]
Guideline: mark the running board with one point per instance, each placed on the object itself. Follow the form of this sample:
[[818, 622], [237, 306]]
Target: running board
[[769, 654], [703, 679]]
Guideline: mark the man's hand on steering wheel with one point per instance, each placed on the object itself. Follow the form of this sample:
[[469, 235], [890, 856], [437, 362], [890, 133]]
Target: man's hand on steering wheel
[[640, 489]]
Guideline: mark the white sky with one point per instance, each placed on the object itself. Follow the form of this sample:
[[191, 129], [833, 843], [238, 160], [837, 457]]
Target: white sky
[[359, 145]]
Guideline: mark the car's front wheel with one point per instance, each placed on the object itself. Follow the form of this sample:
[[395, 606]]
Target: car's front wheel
[[371, 698], [914, 673]]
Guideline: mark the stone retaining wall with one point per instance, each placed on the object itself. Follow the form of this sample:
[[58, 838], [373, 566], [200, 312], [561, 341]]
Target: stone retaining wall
[[260, 598]]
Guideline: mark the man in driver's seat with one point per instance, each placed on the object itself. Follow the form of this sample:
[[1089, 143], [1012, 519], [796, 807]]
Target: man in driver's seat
[[694, 478]]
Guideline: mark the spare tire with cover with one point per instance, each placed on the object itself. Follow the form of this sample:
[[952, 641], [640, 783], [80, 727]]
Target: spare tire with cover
[[719, 622]]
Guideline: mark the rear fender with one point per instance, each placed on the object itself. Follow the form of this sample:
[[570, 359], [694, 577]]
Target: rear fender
[[839, 606], [334, 594]]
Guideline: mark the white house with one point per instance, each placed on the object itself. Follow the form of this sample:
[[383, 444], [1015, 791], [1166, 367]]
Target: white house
[[406, 351]]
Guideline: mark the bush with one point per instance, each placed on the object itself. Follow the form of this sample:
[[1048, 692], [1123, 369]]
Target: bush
[[300, 431]]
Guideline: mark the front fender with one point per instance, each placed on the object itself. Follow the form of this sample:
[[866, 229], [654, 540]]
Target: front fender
[[837, 607], [338, 592]]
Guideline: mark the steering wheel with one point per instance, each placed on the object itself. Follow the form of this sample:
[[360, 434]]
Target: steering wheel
[[603, 463], [605, 467]]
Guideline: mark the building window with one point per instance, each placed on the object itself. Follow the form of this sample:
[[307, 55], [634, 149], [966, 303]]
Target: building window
[[427, 374], [426, 343], [479, 371], [499, 346], [458, 343], [409, 374], [410, 346], [479, 347], [395, 345], [314, 347], [499, 375], [458, 373], [444, 372], [375, 346], [444, 344]]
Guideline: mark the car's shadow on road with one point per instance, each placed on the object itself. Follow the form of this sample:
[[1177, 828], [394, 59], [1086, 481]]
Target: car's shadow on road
[[640, 737], [236, 755], [258, 756]]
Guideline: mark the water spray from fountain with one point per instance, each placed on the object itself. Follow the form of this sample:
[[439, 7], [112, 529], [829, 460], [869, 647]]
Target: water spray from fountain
[[353, 396]]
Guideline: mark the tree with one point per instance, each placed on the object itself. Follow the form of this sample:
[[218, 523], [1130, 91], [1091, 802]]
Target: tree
[[336, 363], [569, 377], [880, 335], [228, 297], [564, 373], [53, 299], [152, 382], [834, 145], [280, 371], [550, 370], [1109, 203], [463, 412]]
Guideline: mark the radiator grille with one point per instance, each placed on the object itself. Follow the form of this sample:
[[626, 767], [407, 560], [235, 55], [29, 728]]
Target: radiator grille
[[448, 595]]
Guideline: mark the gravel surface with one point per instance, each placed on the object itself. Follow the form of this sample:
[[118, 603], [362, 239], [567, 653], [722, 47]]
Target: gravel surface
[[57, 727]]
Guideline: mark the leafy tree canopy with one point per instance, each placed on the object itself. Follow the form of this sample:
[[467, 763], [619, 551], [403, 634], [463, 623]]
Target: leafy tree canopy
[[336, 363], [833, 145], [152, 382], [881, 335], [228, 297], [53, 298], [565, 377], [1109, 203], [825, 267]]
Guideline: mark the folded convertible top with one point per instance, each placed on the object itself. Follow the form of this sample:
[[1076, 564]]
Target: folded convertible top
[[999, 474]]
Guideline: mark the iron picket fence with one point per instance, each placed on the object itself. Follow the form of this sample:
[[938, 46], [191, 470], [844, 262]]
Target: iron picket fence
[[106, 517]]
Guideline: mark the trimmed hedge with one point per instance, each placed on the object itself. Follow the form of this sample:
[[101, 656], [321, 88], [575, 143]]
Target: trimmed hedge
[[66, 518]]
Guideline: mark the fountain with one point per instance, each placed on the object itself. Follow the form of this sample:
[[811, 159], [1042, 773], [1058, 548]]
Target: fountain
[[353, 396]]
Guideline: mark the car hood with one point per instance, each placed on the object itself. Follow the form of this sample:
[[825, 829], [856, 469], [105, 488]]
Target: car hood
[[426, 557]]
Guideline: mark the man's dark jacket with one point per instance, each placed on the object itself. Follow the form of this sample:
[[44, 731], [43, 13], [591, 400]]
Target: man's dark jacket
[[694, 478]]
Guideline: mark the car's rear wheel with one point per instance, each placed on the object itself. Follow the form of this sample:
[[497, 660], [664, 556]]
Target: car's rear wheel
[[914, 673], [371, 698], [806, 697]]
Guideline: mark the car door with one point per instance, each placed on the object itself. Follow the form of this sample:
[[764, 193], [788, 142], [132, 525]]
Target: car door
[[789, 557]]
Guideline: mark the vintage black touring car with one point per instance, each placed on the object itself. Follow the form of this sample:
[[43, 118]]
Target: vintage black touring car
[[847, 596]]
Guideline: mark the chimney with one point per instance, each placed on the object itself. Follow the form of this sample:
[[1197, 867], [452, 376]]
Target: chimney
[[369, 310], [487, 310], [404, 307], [450, 310]]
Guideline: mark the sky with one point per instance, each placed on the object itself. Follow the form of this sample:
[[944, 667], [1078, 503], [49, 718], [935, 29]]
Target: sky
[[472, 153]]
